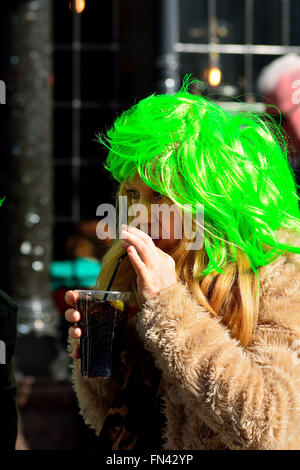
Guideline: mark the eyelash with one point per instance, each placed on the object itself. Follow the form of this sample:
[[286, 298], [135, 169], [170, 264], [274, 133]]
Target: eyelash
[[134, 192], [160, 195]]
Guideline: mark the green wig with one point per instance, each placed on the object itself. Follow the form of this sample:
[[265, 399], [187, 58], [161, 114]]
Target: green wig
[[236, 165]]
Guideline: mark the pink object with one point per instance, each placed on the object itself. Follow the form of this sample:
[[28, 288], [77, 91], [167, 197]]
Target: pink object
[[279, 83]]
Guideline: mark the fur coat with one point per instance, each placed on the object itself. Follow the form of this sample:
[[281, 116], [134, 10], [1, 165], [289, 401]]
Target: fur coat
[[217, 394]]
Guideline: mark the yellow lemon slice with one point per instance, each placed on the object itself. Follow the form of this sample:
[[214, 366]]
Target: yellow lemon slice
[[117, 304]]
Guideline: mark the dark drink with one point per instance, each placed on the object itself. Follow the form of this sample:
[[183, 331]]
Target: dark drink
[[103, 325]]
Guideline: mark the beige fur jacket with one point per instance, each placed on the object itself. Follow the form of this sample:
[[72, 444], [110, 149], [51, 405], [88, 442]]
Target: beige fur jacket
[[217, 394]]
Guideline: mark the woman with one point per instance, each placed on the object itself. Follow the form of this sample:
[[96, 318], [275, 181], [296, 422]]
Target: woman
[[220, 323]]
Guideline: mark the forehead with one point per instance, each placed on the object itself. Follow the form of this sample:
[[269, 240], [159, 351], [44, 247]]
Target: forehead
[[137, 182]]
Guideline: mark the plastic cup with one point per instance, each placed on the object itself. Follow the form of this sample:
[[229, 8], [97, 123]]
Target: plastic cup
[[103, 325]]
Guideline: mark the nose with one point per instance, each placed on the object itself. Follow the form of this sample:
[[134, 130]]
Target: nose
[[148, 221]]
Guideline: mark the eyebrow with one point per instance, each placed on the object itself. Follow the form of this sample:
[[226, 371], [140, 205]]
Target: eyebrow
[[137, 190], [129, 187]]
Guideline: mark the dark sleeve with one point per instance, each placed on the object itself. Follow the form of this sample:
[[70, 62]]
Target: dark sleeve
[[8, 405]]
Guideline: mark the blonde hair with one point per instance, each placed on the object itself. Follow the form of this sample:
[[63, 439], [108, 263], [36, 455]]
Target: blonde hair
[[230, 295]]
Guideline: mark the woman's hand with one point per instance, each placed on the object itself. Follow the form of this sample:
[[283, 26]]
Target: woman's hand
[[155, 269], [73, 316]]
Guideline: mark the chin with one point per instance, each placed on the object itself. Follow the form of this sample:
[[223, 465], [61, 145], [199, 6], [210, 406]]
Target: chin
[[162, 245]]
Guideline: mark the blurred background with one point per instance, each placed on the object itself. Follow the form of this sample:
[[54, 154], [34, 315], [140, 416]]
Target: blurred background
[[68, 68]]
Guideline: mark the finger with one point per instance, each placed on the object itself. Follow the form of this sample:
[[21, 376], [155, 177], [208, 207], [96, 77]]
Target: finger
[[74, 332], [71, 297], [143, 249], [72, 315], [76, 352], [139, 233], [136, 262]]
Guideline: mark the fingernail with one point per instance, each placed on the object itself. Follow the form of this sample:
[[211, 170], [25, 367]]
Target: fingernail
[[123, 234]]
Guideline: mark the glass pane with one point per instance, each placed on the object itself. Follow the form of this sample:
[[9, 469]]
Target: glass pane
[[96, 187], [195, 64], [61, 232], [193, 21], [138, 26], [62, 75], [62, 190], [97, 79], [62, 32], [92, 122], [232, 68], [136, 72], [295, 22], [96, 22], [267, 22], [62, 133], [231, 22]]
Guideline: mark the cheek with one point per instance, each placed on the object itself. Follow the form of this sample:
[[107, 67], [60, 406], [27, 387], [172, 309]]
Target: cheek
[[176, 229], [167, 245], [172, 228]]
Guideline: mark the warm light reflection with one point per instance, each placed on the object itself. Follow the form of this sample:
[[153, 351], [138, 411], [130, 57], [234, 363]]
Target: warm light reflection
[[79, 5], [214, 76]]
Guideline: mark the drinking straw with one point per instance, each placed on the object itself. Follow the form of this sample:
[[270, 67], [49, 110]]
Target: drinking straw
[[114, 274]]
